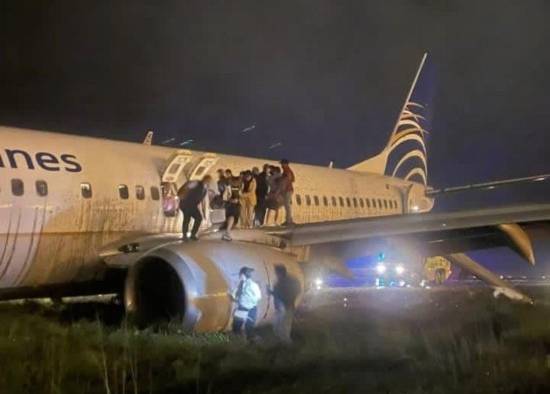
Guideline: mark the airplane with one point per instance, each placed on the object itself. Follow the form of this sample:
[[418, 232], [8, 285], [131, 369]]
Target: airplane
[[88, 216]]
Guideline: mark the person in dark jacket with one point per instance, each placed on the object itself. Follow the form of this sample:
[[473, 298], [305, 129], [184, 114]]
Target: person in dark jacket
[[285, 293], [233, 206], [262, 188], [288, 191], [191, 196]]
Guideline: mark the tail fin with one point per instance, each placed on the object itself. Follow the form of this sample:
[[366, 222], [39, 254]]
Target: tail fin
[[405, 155], [148, 138]]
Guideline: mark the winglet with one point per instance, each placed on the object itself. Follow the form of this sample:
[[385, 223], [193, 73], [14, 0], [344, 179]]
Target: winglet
[[148, 138]]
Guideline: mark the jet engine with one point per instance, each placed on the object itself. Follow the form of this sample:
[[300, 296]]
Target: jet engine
[[193, 281]]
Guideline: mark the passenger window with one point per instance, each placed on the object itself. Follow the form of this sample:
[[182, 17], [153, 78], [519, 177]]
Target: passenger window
[[155, 194], [379, 203], [325, 201], [41, 188], [298, 199], [368, 202], [334, 203], [361, 203], [373, 203], [316, 200], [86, 190], [140, 193], [17, 187], [354, 202], [123, 192], [308, 199], [348, 202], [386, 204], [341, 201]]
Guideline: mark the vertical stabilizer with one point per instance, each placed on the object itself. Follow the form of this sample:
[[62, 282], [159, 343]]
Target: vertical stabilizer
[[405, 155], [148, 138]]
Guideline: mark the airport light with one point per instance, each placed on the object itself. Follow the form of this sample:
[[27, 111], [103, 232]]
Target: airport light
[[318, 283], [381, 268], [399, 269]]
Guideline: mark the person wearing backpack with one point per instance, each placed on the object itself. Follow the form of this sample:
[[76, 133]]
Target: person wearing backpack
[[191, 194]]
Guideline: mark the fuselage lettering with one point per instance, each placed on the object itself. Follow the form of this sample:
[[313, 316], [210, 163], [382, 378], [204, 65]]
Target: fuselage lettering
[[18, 158]]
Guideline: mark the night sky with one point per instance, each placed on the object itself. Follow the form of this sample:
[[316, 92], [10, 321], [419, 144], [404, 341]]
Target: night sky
[[319, 80]]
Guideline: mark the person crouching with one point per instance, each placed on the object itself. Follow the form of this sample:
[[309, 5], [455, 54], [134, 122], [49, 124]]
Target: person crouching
[[191, 196]]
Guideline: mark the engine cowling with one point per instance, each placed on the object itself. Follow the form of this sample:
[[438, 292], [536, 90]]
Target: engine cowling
[[192, 281]]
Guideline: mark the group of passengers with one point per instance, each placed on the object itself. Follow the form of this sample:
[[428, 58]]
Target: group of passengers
[[249, 199]]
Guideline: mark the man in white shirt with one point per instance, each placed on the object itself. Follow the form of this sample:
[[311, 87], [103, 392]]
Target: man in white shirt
[[247, 295]]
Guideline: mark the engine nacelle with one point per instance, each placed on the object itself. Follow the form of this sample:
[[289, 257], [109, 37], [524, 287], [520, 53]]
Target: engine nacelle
[[192, 281]]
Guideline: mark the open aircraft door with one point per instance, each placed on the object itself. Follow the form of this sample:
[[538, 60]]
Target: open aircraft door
[[203, 166], [175, 165]]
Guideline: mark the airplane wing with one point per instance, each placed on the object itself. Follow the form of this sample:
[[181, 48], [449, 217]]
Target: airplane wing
[[448, 234], [459, 222]]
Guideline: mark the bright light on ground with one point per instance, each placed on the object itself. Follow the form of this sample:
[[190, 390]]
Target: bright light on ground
[[318, 283], [399, 269]]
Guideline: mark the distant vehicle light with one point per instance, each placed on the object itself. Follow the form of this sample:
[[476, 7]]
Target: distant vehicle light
[[381, 268], [318, 283], [539, 179], [399, 269]]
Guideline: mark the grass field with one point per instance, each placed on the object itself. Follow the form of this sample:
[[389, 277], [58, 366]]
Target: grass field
[[382, 342]]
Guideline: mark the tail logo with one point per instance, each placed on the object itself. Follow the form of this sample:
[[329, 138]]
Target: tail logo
[[407, 145]]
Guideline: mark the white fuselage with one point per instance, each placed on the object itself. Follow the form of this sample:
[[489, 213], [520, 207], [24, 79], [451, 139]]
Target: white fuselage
[[60, 200]]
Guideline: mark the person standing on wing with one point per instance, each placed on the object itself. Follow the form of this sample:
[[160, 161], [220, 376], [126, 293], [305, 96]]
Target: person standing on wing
[[288, 190], [191, 196], [233, 205], [247, 295]]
